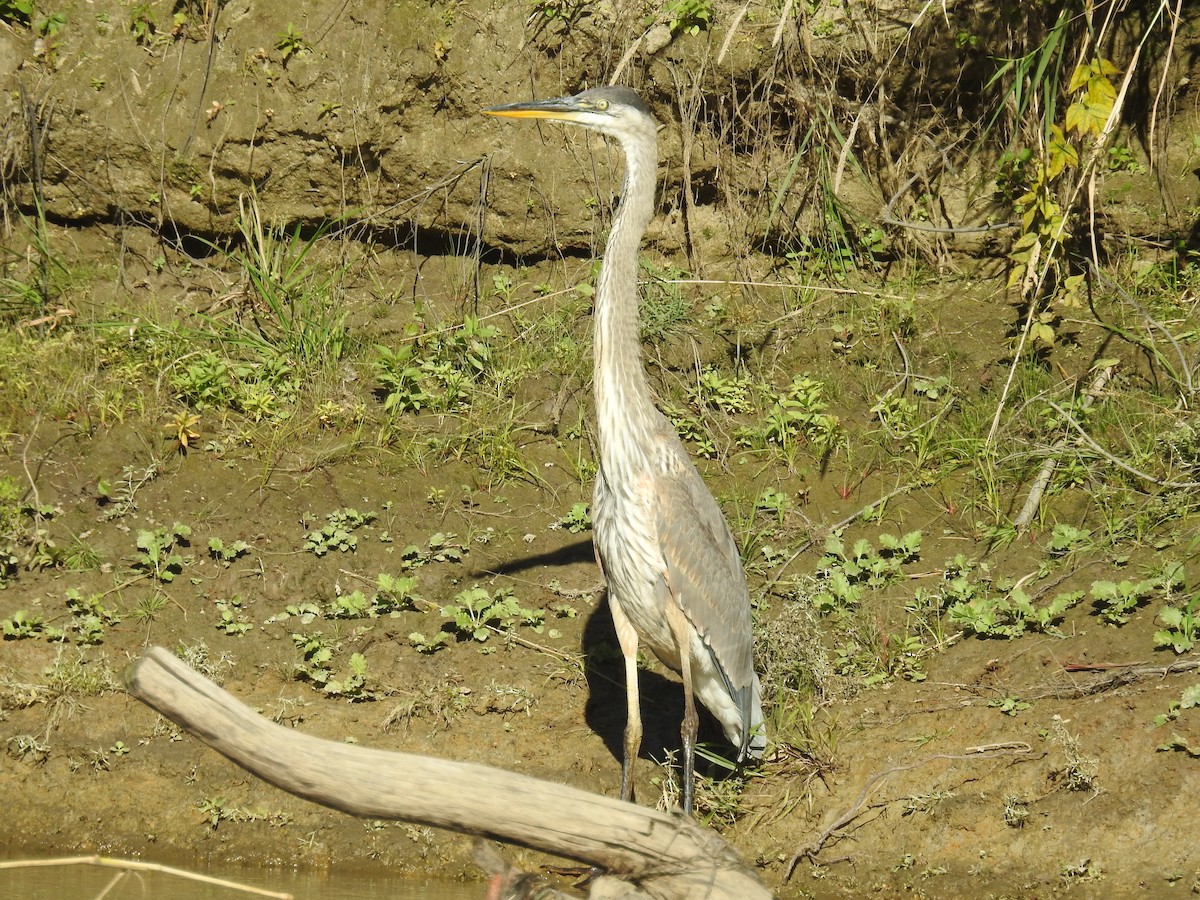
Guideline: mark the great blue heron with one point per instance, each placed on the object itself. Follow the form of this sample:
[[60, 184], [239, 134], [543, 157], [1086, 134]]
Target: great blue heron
[[675, 581]]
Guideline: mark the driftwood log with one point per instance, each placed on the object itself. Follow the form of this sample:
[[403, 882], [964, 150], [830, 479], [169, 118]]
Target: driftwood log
[[657, 855]]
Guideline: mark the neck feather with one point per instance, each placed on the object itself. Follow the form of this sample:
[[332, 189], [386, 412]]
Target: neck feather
[[624, 406]]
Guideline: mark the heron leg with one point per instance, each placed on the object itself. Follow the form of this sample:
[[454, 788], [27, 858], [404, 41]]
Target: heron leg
[[628, 640], [682, 631]]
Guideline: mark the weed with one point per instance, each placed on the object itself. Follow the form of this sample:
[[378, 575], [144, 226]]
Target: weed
[[1079, 770], [394, 595], [476, 613], [291, 44], [579, 519], [798, 412], [1066, 539], [198, 657], [118, 501], [1009, 706], [924, 803], [81, 556], [436, 370], [1190, 699], [305, 612], [1182, 626], [719, 391], [1117, 601], [1011, 615], [316, 667], [338, 531], [21, 625], [1016, 811], [231, 621], [443, 546], [28, 749], [353, 684], [299, 317], [844, 574], [1182, 744], [149, 607], [89, 617], [224, 553], [183, 430], [215, 810], [157, 556], [428, 645], [690, 16], [18, 12]]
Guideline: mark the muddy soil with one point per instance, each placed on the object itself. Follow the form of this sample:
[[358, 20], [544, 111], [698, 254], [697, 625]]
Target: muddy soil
[[1027, 768]]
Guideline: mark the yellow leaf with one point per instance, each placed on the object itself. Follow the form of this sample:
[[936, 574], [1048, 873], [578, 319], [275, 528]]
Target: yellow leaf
[[1101, 91], [1079, 77], [1043, 333], [1076, 117]]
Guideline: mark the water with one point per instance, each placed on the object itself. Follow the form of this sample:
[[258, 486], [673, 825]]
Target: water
[[87, 882]]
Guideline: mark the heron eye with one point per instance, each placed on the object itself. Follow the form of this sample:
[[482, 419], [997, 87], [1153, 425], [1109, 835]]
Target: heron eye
[[602, 105]]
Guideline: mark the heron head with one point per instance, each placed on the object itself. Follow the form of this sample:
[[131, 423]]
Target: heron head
[[614, 110]]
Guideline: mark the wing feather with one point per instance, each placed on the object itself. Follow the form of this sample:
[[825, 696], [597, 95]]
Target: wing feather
[[704, 572]]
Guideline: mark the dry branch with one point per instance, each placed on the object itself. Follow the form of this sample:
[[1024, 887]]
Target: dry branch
[[130, 865], [1034, 500], [665, 856]]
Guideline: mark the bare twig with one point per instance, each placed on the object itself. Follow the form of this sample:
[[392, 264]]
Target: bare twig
[[1117, 461], [1033, 501], [732, 30], [129, 865], [1115, 677]]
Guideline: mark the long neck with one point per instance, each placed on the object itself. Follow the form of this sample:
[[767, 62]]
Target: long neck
[[624, 408]]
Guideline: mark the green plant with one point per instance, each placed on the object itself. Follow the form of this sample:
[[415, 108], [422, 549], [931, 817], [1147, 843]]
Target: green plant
[[729, 394], [436, 370], [21, 625], [428, 645], [292, 44], [1182, 626], [16, 12], [476, 613], [845, 573], [141, 23], [1117, 601], [149, 607], [353, 684], [224, 553], [1009, 706], [443, 546], [50, 25], [316, 667], [690, 16], [1190, 699], [89, 617], [797, 412], [157, 556], [231, 621], [394, 595], [1012, 614], [338, 531], [1066, 539], [183, 430], [578, 519], [304, 320]]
